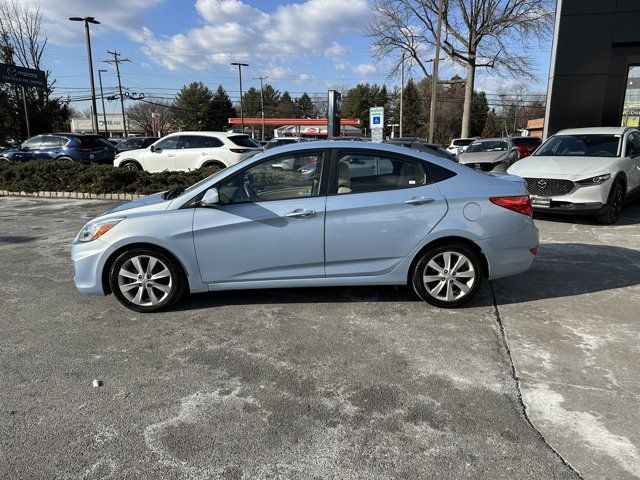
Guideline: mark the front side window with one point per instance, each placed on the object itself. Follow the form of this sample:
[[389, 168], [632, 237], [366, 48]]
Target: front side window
[[169, 143], [581, 146], [371, 172], [52, 142], [633, 143], [269, 181], [33, 142]]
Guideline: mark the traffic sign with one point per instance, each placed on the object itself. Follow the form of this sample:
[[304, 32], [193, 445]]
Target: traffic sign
[[376, 123]]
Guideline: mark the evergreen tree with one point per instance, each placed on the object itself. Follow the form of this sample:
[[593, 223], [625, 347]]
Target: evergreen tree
[[221, 109], [305, 107], [489, 130], [251, 103], [413, 125], [286, 106], [357, 101], [192, 107], [479, 113]]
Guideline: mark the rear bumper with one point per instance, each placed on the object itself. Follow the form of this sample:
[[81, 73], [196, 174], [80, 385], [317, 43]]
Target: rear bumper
[[510, 254]]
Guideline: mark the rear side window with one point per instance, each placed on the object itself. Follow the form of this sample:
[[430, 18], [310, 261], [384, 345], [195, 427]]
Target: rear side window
[[360, 172], [193, 141], [244, 141]]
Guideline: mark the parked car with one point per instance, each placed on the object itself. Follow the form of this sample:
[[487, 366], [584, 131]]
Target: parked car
[[134, 143], [526, 145], [422, 146], [459, 145], [76, 147], [114, 141], [414, 219], [280, 141], [489, 155], [189, 151], [591, 171]]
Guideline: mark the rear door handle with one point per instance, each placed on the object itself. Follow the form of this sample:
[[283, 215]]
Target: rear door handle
[[419, 201], [299, 213], [170, 155]]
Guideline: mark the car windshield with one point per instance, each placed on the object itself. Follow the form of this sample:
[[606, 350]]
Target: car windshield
[[487, 146], [581, 146]]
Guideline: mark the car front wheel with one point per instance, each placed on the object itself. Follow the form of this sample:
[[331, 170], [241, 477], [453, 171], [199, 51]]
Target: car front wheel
[[447, 276], [146, 280]]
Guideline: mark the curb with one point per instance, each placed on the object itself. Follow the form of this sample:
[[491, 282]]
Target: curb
[[73, 195]]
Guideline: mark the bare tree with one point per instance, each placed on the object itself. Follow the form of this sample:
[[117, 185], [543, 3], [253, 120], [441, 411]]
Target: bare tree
[[476, 34], [141, 115]]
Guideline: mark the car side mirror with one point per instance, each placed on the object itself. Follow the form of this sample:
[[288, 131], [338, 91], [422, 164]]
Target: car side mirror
[[210, 198], [24, 149], [152, 148]]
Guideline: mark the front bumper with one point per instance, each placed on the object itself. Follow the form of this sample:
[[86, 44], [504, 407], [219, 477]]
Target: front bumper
[[88, 262], [570, 208]]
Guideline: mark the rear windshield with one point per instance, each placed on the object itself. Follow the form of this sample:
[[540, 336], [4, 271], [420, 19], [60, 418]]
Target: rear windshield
[[94, 142], [244, 141], [526, 141], [581, 146], [487, 146], [463, 142]]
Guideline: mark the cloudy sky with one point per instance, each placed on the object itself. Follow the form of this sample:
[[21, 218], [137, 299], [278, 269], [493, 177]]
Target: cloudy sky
[[301, 45]]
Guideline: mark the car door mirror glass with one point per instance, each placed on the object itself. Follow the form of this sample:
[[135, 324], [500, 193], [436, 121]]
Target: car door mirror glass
[[152, 148], [210, 198]]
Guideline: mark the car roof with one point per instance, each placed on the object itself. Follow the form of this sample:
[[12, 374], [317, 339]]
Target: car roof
[[206, 133], [596, 131]]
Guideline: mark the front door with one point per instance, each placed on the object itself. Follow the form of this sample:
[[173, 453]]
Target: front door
[[269, 224], [377, 215], [163, 156]]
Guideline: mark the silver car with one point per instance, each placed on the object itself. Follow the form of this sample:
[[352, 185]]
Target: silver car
[[591, 171], [407, 218], [490, 155]]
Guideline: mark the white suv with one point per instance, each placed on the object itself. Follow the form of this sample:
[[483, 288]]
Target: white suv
[[584, 170], [459, 145], [189, 151]]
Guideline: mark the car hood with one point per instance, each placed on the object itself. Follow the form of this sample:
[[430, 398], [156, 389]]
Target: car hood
[[149, 203], [562, 167], [482, 157]]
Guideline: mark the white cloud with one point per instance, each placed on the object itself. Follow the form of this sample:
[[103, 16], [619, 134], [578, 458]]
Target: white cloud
[[235, 30], [365, 69]]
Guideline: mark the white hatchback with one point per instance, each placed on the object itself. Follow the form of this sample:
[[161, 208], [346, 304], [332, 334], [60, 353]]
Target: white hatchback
[[189, 151]]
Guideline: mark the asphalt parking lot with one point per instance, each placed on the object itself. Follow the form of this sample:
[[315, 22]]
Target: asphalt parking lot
[[344, 383]]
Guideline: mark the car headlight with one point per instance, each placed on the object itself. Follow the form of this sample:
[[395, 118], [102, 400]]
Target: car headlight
[[595, 180], [94, 230]]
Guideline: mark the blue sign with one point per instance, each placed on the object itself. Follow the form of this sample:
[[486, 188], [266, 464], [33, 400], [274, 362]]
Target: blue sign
[[376, 120]]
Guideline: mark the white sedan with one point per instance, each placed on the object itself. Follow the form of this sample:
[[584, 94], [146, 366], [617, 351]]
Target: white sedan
[[590, 171], [190, 151]]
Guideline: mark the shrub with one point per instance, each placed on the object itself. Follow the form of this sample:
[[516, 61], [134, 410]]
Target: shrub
[[53, 176]]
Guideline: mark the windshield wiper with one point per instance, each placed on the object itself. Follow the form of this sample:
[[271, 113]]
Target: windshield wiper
[[173, 193]]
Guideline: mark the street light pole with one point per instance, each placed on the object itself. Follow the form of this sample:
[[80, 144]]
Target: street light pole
[[87, 21], [261, 102], [240, 65], [104, 112], [434, 77]]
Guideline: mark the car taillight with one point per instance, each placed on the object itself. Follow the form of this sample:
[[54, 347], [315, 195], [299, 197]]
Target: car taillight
[[240, 150], [523, 151], [520, 204]]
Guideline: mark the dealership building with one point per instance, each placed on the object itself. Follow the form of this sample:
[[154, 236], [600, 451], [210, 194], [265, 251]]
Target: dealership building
[[114, 125], [595, 65]]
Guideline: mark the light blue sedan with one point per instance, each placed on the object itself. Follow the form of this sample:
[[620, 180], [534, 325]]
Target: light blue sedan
[[367, 214]]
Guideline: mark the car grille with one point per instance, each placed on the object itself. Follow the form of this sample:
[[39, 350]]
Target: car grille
[[482, 167], [549, 187]]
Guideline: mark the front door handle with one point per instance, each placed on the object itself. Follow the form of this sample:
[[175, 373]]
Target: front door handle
[[300, 213], [170, 155], [419, 201]]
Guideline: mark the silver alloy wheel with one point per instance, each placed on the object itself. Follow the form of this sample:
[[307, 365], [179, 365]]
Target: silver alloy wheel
[[131, 166], [449, 276], [145, 280]]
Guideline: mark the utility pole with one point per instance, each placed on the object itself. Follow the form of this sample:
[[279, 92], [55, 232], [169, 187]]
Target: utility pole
[[401, 93], [104, 113], [434, 77], [240, 65], [261, 102], [117, 61], [87, 21]]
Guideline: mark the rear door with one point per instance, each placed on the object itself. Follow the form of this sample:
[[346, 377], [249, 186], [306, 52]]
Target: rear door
[[269, 225], [376, 216], [192, 151]]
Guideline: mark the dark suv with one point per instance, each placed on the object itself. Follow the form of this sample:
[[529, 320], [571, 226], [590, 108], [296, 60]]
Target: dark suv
[[80, 148], [134, 143]]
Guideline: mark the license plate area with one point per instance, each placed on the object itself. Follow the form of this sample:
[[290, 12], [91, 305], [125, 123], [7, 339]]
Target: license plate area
[[540, 202]]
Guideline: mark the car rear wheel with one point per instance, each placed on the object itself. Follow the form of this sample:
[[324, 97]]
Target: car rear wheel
[[447, 276], [146, 280], [65, 159], [135, 166], [214, 163], [614, 206]]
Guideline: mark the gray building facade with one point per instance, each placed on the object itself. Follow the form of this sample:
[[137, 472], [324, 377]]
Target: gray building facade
[[595, 65]]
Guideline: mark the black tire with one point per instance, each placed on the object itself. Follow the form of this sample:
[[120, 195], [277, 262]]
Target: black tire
[[614, 205], [173, 286], [131, 165], [214, 163], [445, 278]]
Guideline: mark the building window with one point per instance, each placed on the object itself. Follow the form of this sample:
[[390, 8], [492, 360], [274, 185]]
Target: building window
[[631, 109]]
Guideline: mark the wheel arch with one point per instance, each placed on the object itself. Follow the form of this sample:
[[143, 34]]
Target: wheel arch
[[622, 178], [112, 258], [448, 240], [130, 160], [213, 163]]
